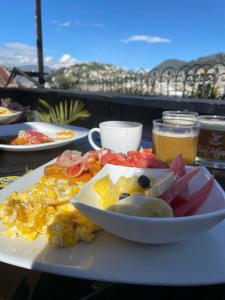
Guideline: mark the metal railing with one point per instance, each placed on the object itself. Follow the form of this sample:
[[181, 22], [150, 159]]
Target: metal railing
[[189, 81]]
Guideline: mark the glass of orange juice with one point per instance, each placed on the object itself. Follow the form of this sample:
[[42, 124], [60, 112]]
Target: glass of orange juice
[[171, 139]]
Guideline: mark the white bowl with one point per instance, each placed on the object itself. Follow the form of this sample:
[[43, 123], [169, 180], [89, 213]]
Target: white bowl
[[152, 230]]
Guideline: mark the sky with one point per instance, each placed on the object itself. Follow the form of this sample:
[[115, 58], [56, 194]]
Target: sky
[[127, 33]]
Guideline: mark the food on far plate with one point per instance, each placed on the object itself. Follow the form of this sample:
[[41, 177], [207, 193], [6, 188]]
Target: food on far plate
[[30, 137], [5, 111], [167, 197], [34, 137], [62, 135]]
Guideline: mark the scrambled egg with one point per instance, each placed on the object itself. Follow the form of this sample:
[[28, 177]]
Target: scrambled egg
[[45, 208]]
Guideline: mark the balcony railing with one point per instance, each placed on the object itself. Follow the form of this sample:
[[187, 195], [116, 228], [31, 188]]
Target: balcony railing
[[189, 81]]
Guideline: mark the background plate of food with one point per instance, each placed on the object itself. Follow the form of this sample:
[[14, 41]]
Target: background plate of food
[[35, 136], [8, 115]]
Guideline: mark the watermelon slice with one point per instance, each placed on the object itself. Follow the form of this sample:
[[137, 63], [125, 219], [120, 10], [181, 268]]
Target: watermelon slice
[[179, 186], [195, 202]]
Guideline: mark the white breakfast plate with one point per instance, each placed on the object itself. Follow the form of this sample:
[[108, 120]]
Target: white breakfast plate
[[6, 119], [152, 230], [197, 261], [46, 128]]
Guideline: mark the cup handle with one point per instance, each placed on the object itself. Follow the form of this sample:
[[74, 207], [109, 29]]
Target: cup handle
[[90, 138]]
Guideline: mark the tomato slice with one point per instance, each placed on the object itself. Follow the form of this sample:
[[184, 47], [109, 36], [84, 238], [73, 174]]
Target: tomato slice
[[73, 170], [124, 162], [115, 158], [147, 153]]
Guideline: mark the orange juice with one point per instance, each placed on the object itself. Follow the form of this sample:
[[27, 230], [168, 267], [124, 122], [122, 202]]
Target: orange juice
[[167, 144]]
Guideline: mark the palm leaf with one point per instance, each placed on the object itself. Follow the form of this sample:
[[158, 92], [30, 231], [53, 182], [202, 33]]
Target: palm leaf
[[44, 103], [63, 113]]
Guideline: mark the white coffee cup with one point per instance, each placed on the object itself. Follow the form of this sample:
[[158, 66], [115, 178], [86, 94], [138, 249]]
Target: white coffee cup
[[119, 136]]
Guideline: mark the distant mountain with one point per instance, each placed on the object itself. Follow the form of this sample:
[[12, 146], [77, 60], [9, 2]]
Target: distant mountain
[[210, 59], [177, 64], [68, 77]]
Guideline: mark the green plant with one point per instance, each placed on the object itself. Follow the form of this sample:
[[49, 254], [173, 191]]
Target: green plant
[[64, 113], [208, 91]]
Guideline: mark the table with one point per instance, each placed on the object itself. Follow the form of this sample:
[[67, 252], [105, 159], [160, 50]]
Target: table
[[18, 283]]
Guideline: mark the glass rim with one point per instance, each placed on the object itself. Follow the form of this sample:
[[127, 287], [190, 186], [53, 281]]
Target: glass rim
[[213, 117], [114, 124], [194, 124], [180, 112]]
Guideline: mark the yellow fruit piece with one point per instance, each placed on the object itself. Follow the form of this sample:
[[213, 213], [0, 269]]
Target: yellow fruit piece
[[128, 185], [105, 188], [103, 185], [108, 200]]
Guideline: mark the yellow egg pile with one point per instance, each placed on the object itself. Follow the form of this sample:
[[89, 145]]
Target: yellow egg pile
[[45, 208]]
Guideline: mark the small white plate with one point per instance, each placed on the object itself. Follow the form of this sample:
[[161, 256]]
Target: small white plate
[[152, 230], [6, 119], [49, 129]]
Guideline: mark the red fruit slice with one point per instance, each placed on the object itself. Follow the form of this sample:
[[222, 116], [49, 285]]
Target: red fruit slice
[[178, 166], [196, 200], [179, 186], [179, 200]]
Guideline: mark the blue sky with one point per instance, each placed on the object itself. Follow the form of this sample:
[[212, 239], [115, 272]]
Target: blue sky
[[128, 33]]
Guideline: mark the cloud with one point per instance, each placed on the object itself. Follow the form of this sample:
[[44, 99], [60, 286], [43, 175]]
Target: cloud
[[150, 39], [67, 60], [61, 25], [99, 25], [19, 55], [64, 61], [79, 24], [65, 24], [48, 60]]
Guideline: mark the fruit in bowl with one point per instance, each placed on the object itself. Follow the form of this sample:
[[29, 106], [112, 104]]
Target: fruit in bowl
[[196, 199]]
